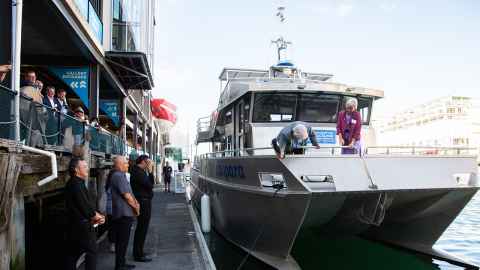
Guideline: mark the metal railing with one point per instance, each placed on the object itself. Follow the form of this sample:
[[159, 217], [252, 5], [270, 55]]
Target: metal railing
[[7, 113], [420, 150], [341, 151]]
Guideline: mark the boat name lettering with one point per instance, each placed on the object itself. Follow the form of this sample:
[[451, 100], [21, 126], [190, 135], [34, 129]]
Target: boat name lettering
[[230, 171]]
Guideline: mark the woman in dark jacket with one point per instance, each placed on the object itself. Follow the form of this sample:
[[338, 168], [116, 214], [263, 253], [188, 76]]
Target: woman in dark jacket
[[349, 126]]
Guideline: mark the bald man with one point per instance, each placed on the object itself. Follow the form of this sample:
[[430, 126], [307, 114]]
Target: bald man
[[293, 138], [124, 210]]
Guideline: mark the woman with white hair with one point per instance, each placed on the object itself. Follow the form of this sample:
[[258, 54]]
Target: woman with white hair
[[293, 138], [349, 125]]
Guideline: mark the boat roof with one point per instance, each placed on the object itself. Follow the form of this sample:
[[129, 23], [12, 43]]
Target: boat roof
[[241, 73], [238, 87]]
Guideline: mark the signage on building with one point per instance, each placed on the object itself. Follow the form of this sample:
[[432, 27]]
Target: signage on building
[[76, 78], [326, 136], [111, 108]]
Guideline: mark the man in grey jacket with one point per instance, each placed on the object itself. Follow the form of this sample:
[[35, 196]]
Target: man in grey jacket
[[293, 138]]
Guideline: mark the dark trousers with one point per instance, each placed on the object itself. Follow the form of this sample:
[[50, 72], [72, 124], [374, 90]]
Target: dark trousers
[[143, 221], [167, 182], [81, 239], [111, 232], [121, 229]]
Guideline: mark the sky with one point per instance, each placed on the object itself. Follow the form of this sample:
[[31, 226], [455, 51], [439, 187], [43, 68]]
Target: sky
[[414, 51]]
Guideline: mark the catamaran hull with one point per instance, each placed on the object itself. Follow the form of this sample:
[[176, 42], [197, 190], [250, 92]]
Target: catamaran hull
[[266, 222]]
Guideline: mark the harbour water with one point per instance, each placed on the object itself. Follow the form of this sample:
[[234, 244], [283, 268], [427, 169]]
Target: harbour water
[[462, 239]]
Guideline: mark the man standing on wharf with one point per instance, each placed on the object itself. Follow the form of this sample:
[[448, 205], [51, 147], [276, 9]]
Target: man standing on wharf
[[141, 180], [124, 209], [82, 218]]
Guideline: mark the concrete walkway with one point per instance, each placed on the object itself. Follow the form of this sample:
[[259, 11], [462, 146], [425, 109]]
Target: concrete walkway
[[171, 241]]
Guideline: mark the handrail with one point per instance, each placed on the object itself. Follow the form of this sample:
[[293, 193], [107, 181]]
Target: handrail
[[4, 88], [414, 151]]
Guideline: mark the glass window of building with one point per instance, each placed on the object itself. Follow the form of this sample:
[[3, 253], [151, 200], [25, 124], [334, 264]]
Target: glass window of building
[[318, 108], [132, 22], [274, 107]]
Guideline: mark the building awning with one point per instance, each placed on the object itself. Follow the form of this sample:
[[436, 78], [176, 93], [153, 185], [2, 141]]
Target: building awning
[[131, 68]]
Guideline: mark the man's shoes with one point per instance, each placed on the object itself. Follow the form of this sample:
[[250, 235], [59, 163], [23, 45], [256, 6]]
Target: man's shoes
[[125, 267], [142, 259]]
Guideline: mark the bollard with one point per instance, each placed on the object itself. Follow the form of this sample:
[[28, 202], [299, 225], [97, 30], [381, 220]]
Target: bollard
[[205, 205]]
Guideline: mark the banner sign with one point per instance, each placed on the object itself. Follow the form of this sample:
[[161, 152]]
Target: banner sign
[[111, 108], [76, 78], [326, 136]]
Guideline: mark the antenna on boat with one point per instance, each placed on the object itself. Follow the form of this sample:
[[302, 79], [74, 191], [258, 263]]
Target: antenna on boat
[[281, 43]]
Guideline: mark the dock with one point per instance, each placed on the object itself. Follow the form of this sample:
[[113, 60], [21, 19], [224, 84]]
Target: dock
[[174, 241]]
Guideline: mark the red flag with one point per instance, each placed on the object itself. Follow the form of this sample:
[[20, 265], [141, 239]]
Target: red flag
[[163, 109]]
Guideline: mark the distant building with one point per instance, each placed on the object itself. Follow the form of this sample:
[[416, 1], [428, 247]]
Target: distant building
[[451, 121]]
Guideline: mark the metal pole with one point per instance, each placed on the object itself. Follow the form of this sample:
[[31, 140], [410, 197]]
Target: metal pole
[[17, 9]]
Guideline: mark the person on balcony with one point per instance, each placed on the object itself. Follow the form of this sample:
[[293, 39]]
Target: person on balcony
[[62, 100], [293, 138], [32, 114], [79, 126], [349, 125], [31, 87], [52, 126], [4, 69]]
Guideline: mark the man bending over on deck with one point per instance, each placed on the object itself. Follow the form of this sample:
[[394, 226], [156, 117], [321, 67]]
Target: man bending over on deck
[[293, 138]]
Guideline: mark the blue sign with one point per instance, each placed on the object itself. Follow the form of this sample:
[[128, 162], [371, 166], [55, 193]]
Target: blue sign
[[325, 136], [111, 108], [76, 78]]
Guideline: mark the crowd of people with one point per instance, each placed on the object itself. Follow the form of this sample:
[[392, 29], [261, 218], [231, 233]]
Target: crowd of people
[[47, 118], [129, 190]]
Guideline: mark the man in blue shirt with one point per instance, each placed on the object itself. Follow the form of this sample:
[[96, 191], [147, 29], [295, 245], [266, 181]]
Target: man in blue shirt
[[124, 210]]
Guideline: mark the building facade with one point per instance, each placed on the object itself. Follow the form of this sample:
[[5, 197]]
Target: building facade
[[451, 121], [101, 52]]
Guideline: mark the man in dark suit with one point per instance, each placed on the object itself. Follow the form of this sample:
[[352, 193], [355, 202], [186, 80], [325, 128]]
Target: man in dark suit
[[53, 122], [141, 180], [82, 218], [62, 101]]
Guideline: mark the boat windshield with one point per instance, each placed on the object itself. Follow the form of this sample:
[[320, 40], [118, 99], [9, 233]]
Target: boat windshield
[[274, 107], [308, 107]]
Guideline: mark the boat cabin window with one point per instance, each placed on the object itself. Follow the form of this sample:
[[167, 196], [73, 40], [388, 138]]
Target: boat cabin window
[[318, 108], [225, 117], [274, 107], [307, 107], [364, 106]]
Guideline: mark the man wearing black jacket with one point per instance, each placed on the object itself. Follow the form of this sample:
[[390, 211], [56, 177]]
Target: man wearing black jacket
[[141, 180], [82, 217]]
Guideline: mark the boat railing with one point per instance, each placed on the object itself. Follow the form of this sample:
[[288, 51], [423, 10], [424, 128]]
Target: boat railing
[[340, 151], [420, 150]]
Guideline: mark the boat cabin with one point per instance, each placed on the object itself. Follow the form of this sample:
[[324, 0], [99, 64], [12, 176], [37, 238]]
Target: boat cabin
[[256, 104]]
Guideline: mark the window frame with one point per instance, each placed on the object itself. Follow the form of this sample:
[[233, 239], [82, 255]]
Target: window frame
[[339, 106]]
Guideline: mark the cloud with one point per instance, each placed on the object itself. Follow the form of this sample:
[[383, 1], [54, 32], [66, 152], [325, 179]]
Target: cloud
[[388, 5], [344, 9]]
